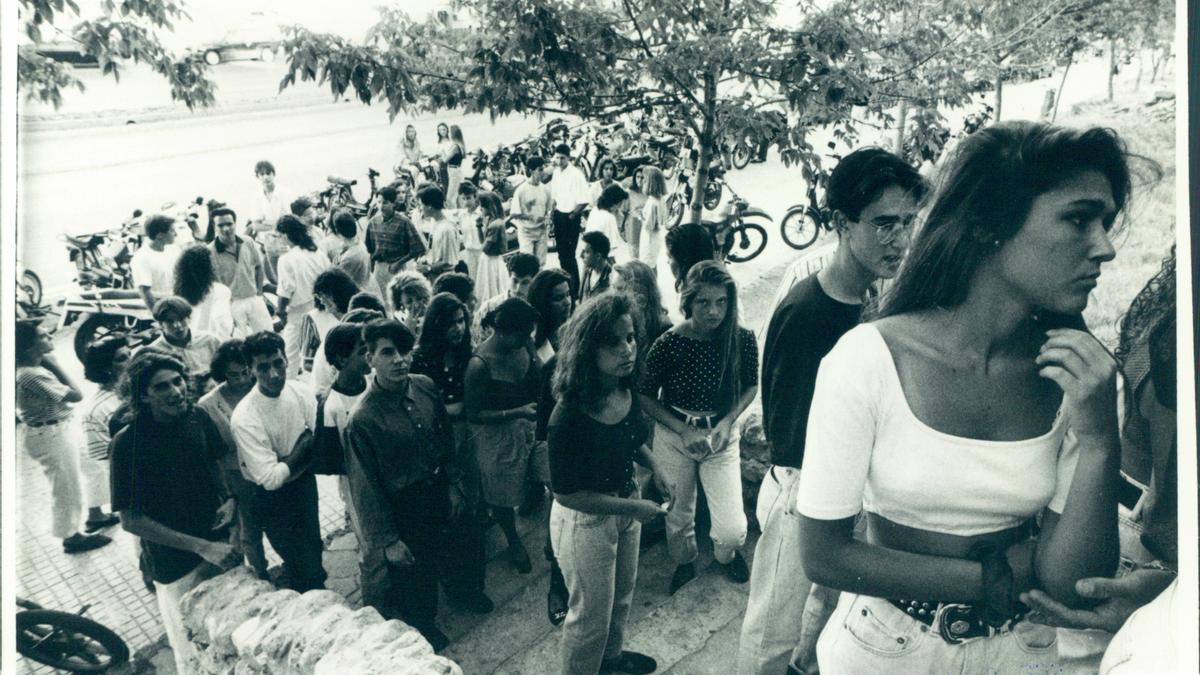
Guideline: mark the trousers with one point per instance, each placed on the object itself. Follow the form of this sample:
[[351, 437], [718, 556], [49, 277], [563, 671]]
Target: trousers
[[250, 315], [168, 597], [566, 239], [598, 555], [288, 516], [50, 446]]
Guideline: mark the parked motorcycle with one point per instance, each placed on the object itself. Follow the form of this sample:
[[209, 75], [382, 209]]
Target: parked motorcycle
[[736, 237]]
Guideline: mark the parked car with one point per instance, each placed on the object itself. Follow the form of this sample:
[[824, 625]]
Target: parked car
[[256, 38], [66, 50]]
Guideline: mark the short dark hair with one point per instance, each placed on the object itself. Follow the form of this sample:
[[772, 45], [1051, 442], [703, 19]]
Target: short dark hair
[[300, 205], [689, 244], [361, 315], [25, 335], [611, 196], [296, 232], [98, 359], [860, 177], [345, 224], [461, 285], [389, 329], [514, 315], [263, 343], [340, 342], [171, 308], [432, 196], [158, 224], [388, 194], [534, 163], [467, 188], [337, 283], [367, 300], [562, 149], [264, 167], [223, 211], [598, 241], [228, 352], [523, 265], [142, 368]]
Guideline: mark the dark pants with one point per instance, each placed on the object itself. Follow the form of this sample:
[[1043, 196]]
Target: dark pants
[[422, 512], [566, 240], [288, 516], [466, 556]]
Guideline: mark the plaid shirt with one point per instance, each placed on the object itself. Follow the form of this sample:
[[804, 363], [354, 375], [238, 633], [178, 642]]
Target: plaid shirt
[[394, 239]]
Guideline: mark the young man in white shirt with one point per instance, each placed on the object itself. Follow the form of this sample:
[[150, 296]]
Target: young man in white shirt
[[269, 206], [272, 426], [531, 209], [570, 195], [153, 266]]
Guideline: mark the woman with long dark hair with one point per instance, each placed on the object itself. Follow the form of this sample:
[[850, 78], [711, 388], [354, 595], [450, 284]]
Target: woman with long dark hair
[[638, 280], [211, 301], [700, 376], [332, 291], [597, 432], [973, 411], [654, 215], [550, 295], [633, 212], [297, 270], [453, 155]]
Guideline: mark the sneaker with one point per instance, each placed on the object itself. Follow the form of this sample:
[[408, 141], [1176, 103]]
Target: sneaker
[[683, 574], [556, 606], [109, 520], [736, 569], [629, 662], [78, 543]]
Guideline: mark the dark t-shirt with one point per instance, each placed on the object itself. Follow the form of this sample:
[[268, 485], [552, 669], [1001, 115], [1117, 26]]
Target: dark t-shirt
[[165, 472], [588, 455], [804, 328], [687, 371]]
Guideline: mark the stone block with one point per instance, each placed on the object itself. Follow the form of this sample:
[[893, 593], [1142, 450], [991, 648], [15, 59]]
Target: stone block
[[384, 649], [279, 636], [254, 630], [335, 628]]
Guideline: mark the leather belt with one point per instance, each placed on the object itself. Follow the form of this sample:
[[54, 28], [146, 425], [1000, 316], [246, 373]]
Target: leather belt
[[698, 421], [1129, 493], [48, 423], [956, 623]]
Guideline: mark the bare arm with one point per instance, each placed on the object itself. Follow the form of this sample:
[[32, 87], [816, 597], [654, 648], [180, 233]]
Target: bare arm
[[473, 400], [147, 296], [74, 395], [608, 505], [140, 525]]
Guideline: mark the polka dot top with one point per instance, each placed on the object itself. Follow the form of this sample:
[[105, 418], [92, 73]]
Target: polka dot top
[[685, 372]]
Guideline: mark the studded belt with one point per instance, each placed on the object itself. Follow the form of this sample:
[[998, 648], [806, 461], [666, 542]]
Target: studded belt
[[954, 622]]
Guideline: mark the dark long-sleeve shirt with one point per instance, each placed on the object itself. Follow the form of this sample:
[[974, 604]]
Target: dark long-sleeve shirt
[[394, 441]]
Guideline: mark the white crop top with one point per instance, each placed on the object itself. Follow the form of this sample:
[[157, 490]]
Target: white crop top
[[866, 450]]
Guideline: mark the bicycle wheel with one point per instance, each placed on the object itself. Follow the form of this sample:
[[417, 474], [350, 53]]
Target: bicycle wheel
[[746, 242], [675, 209], [800, 227], [68, 641], [741, 156]]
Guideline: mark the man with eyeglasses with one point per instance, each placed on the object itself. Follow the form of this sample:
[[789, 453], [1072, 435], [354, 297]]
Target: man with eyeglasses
[[872, 201]]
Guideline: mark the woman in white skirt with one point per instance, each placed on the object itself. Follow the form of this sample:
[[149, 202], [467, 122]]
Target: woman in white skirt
[[491, 278], [654, 216]]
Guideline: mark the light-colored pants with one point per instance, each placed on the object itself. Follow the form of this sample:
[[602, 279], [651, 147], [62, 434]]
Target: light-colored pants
[[292, 335], [721, 474], [528, 243], [95, 479], [169, 595], [786, 611], [454, 178], [50, 446], [250, 315], [598, 555], [870, 635]]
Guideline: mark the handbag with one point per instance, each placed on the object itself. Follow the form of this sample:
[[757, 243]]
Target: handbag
[[328, 458]]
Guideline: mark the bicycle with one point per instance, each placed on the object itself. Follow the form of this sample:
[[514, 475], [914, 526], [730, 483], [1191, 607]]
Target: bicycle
[[67, 641]]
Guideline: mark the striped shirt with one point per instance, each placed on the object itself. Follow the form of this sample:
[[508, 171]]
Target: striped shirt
[[95, 423], [41, 398]]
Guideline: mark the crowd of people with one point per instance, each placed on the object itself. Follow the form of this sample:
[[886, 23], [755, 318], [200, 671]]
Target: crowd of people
[[949, 458]]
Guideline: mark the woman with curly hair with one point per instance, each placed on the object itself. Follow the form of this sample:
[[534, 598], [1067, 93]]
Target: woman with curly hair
[[597, 432], [332, 292], [211, 301], [103, 363], [409, 293], [637, 279]]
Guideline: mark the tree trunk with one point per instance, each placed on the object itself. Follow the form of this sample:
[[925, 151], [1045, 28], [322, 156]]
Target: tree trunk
[[1062, 84], [903, 121], [1112, 65], [999, 96], [1141, 62], [707, 143]]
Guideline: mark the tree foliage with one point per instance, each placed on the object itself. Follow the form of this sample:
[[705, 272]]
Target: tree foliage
[[124, 32]]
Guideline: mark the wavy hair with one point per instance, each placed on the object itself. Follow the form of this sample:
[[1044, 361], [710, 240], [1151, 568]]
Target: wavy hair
[[576, 380], [432, 340], [647, 299], [1155, 302], [712, 273], [194, 274], [141, 369], [539, 296]]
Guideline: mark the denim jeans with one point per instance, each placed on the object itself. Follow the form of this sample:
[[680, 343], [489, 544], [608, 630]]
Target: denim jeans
[[785, 612], [721, 474], [599, 559], [50, 446], [870, 635]]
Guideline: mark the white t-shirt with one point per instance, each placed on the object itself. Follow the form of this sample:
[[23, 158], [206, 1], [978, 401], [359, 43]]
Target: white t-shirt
[[569, 188], [266, 429], [533, 201], [866, 450], [338, 407], [604, 221], [155, 269], [214, 314], [269, 207], [298, 269]]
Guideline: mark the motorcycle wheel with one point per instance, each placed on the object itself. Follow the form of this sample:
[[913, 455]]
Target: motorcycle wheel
[[800, 227], [712, 194], [745, 242], [29, 289], [741, 156], [99, 326], [675, 209], [68, 641]]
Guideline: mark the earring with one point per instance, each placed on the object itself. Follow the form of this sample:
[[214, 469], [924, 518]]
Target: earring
[[996, 243]]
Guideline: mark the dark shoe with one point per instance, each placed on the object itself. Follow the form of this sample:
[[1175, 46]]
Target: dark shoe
[[519, 557], [736, 569], [437, 639], [78, 543], [683, 574], [535, 496], [556, 606], [477, 603], [97, 525], [629, 662]]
